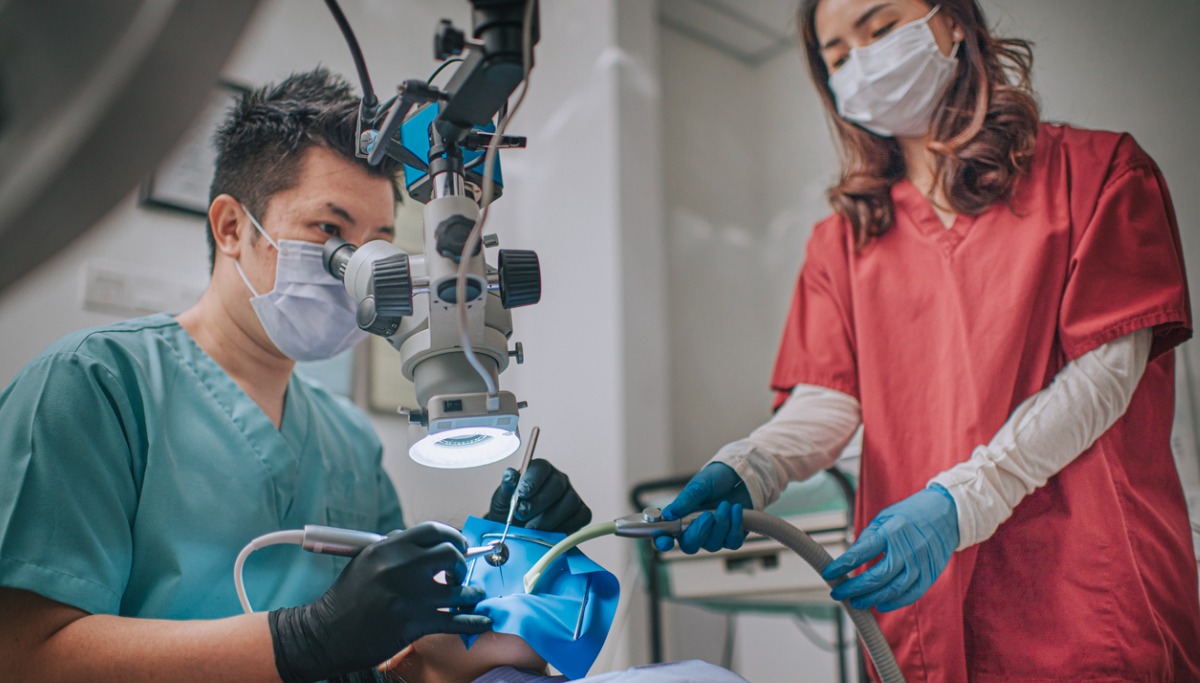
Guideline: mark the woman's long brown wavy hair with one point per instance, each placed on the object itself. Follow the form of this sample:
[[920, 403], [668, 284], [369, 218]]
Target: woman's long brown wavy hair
[[984, 131]]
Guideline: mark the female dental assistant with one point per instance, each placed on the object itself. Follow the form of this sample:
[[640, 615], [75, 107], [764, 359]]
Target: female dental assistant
[[995, 300]]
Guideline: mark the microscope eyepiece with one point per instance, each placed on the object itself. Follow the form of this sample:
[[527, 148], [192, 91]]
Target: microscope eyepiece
[[336, 254]]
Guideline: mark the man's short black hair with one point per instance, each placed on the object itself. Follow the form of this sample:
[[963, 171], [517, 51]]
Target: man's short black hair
[[263, 137]]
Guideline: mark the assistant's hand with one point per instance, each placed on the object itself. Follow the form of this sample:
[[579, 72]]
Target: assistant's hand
[[383, 600], [546, 500], [916, 536], [715, 486]]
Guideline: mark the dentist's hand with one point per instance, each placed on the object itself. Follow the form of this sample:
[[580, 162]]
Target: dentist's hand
[[546, 500], [385, 599], [715, 486], [916, 535]]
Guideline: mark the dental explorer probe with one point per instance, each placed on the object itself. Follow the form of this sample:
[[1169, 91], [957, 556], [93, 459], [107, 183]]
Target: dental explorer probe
[[500, 556]]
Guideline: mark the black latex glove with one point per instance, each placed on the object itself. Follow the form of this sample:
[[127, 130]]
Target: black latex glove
[[547, 501], [383, 600]]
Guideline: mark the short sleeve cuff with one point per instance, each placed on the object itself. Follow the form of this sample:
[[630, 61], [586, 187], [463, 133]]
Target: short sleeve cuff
[[1171, 327], [838, 382], [56, 585]]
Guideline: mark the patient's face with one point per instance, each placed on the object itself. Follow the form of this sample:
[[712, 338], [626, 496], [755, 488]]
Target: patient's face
[[443, 658]]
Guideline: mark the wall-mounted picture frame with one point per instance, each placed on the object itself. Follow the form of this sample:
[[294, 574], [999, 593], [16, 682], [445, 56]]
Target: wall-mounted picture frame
[[181, 181]]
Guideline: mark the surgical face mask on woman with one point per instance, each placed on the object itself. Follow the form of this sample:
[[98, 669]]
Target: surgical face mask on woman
[[892, 87], [308, 315]]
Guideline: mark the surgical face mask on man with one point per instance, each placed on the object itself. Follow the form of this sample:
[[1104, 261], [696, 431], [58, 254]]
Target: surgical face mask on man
[[892, 87], [308, 315]]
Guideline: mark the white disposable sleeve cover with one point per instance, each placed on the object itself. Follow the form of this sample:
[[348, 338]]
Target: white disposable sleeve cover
[[805, 436], [1044, 434]]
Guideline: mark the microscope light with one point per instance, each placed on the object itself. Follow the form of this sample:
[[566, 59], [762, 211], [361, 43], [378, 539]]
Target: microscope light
[[465, 447]]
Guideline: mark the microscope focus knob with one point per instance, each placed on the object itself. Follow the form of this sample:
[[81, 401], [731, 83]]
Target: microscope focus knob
[[520, 278], [391, 280], [451, 236], [368, 319]]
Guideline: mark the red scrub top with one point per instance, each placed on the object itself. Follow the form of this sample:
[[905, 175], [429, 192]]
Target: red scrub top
[[940, 334]]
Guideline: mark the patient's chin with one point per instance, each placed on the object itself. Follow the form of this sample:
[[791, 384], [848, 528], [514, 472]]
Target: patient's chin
[[443, 657]]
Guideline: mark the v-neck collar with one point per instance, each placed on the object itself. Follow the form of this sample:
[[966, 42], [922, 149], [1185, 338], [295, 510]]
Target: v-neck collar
[[280, 450], [293, 426], [909, 200]]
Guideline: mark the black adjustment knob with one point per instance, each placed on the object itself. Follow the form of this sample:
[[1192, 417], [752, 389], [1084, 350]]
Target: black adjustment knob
[[392, 286], [520, 278], [448, 41], [451, 236], [369, 319]]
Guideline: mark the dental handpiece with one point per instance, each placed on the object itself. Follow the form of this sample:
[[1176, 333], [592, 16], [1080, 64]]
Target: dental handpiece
[[328, 540]]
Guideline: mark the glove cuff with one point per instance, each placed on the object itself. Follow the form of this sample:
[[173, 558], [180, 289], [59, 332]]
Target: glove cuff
[[756, 470], [297, 650], [934, 486]]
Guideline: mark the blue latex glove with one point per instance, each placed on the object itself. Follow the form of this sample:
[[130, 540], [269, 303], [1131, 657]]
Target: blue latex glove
[[916, 536], [717, 485]]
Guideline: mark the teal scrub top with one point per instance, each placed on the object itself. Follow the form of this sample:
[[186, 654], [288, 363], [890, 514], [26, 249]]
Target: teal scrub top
[[133, 470]]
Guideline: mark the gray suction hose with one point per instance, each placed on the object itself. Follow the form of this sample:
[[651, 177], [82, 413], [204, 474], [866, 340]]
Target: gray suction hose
[[815, 555]]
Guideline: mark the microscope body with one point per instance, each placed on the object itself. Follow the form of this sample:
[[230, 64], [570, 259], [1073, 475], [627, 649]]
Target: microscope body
[[430, 342], [411, 301], [453, 344]]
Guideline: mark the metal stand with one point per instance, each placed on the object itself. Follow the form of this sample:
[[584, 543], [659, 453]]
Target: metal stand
[[654, 570]]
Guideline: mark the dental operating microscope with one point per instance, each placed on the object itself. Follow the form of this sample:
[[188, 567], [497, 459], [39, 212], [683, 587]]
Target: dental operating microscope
[[447, 311]]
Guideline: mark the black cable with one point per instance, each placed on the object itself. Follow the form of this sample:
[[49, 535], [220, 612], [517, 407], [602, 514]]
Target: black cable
[[360, 64], [444, 64]]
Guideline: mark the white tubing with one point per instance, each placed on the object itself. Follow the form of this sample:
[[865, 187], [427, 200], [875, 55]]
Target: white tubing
[[293, 536], [587, 533]]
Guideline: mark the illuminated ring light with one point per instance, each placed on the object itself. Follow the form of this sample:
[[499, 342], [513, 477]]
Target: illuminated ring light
[[465, 447]]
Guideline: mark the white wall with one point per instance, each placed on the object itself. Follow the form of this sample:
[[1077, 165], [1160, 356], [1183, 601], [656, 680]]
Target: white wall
[[584, 195], [747, 160], [748, 156]]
